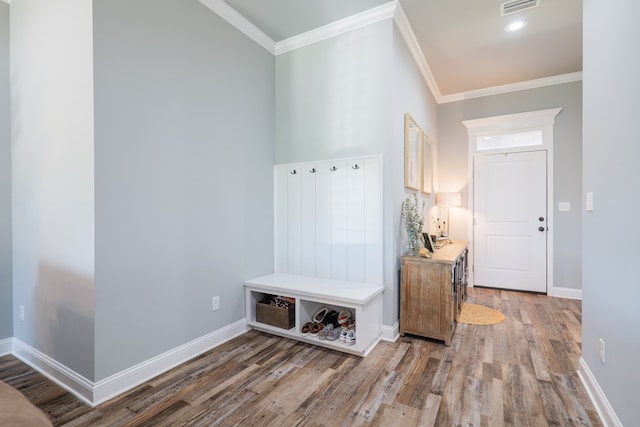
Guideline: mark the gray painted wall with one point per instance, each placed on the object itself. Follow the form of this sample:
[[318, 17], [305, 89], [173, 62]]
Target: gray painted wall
[[610, 164], [345, 97], [567, 139], [184, 175], [410, 95], [6, 280], [52, 178], [334, 100]]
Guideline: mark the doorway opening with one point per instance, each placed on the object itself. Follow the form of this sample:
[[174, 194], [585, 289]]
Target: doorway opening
[[505, 135]]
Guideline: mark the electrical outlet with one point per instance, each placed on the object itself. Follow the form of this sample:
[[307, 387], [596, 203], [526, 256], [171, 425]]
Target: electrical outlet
[[22, 313], [215, 303], [602, 351]]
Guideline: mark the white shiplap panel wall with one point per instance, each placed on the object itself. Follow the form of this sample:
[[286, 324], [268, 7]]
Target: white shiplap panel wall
[[308, 220], [328, 219], [373, 221], [280, 194], [355, 221], [323, 220], [339, 213], [294, 208]]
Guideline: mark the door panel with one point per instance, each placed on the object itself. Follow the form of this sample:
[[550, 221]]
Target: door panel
[[510, 198]]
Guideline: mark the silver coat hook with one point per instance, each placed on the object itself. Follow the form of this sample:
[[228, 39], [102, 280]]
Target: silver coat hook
[[355, 167], [312, 170], [333, 169], [293, 172]]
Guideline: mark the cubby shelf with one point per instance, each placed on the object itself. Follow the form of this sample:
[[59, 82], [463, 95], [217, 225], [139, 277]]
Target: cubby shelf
[[364, 300]]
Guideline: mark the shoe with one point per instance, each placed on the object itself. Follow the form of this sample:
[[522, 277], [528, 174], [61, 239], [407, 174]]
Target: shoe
[[331, 318], [316, 328], [306, 328], [344, 317], [320, 315], [351, 337], [323, 334], [333, 334], [343, 334]]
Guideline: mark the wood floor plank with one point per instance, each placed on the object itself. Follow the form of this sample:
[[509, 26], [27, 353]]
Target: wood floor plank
[[519, 372], [400, 415]]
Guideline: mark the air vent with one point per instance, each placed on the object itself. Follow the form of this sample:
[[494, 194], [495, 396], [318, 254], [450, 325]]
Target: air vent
[[513, 6]]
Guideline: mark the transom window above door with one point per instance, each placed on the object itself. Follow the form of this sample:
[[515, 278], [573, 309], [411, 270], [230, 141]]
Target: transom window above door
[[509, 140]]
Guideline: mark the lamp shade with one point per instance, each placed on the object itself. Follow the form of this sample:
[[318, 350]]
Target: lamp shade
[[449, 199]]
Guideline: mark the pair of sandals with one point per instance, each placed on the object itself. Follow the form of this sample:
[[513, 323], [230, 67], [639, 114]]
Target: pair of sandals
[[331, 325], [321, 321], [311, 328], [314, 327]]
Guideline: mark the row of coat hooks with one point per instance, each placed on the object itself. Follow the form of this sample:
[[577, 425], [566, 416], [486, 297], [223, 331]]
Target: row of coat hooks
[[332, 169]]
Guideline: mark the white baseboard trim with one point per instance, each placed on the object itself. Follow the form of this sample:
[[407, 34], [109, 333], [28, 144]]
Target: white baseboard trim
[[6, 346], [390, 333], [569, 293], [71, 381], [125, 380], [605, 411], [95, 393]]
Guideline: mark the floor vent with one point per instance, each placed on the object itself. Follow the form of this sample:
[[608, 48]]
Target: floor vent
[[513, 6]]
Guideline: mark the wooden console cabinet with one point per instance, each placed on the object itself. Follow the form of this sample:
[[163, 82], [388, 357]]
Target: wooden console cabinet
[[432, 291]]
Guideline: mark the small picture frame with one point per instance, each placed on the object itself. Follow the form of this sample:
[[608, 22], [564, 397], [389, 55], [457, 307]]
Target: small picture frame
[[428, 243]]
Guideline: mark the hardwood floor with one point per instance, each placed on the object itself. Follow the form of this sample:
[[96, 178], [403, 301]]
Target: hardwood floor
[[521, 372]]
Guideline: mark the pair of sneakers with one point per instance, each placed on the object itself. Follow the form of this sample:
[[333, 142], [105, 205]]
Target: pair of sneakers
[[348, 336], [329, 333]]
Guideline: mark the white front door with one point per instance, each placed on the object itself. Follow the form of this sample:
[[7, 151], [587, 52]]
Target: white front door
[[510, 221]]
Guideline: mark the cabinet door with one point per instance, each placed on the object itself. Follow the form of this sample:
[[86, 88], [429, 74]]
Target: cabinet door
[[426, 299]]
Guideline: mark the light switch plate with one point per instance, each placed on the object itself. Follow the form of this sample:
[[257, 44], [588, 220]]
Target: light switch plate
[[589, 201], [564, 206]]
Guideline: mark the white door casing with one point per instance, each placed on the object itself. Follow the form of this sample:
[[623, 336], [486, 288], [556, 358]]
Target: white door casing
[[510, 220], [534, 120]]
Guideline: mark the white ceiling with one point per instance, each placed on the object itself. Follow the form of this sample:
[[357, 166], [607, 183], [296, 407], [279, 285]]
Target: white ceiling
[[463, 41]]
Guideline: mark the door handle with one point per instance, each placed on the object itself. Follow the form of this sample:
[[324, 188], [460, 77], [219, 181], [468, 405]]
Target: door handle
[[540, 228]]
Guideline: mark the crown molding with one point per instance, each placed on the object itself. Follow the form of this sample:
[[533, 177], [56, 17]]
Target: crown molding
[[368, 17], [409, 36], [392, 9], [230, 15], [513, 87]]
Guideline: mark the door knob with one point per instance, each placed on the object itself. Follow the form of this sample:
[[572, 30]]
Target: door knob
[[540, 228], [541, 219]]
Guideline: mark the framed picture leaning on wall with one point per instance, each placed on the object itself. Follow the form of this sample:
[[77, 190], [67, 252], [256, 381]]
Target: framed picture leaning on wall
[[427, 164], [413, 142]]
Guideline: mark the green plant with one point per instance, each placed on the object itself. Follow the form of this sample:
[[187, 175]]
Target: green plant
[[413, 219]]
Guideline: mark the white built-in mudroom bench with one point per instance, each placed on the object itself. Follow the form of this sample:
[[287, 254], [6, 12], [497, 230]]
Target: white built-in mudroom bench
[[328, 250], [311, 294]]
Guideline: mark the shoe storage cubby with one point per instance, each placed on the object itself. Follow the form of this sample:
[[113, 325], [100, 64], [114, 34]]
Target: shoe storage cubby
[[311, 294]]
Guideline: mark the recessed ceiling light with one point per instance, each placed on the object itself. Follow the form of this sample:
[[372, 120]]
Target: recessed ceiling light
[[515, 26]]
